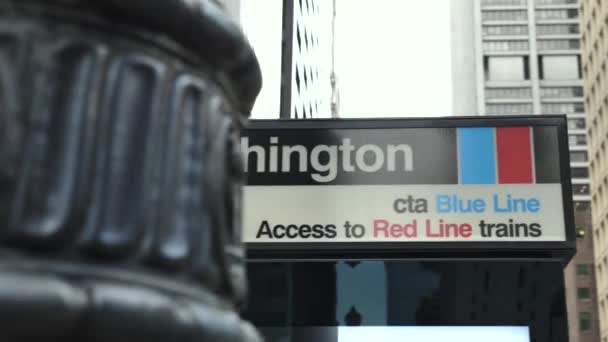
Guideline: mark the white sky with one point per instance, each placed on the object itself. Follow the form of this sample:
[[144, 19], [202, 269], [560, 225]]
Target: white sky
[[393, 58], [433, 334]]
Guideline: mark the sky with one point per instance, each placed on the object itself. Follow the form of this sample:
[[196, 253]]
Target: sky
[[393, 58], [433, 334]]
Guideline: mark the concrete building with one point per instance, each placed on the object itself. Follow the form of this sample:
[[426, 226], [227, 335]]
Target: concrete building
[[513, 57], [594, 25]]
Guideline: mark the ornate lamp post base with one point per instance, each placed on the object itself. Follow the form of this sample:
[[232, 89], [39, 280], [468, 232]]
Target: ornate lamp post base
[[120, 178]]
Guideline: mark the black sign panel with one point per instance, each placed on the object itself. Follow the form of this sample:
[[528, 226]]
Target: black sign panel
[[352, 187]]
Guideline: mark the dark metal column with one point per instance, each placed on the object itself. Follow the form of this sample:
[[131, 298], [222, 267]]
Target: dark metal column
[[120, 181]]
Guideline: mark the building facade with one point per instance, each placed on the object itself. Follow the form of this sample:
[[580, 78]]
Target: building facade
[[519, 57], [293, 40], [594, 26], [306, 59]]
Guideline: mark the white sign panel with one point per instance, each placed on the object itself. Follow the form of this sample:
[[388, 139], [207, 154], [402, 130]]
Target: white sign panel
[[406, 181]]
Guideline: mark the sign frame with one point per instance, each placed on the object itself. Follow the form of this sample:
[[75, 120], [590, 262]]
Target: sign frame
[[405, 250]]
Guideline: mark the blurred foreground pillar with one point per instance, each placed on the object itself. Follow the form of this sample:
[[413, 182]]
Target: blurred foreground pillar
[[119, 174]]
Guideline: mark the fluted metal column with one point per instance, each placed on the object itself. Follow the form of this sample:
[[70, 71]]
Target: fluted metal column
[[119, 174]]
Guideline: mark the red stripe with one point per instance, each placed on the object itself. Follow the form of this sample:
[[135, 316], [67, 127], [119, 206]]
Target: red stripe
[[514, 154]]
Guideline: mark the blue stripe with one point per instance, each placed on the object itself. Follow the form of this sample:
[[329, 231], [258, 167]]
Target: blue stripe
[[477, 155]]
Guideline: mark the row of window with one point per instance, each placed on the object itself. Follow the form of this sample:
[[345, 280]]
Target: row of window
[[555, 2], [584, 322], [576, 123], [506, 45], [526, 92], [503, 2], [522, 30], [546, 108], [509, 109], [579, 156], [557, 29], [559, 44], [579, 172], [522, 15], [561, 92], [505, 30], [584, 294], [577, 140], [517, 68], [584, 270], [509, 93], [556, 14], [502, 15], [562, 108], [580, 189]]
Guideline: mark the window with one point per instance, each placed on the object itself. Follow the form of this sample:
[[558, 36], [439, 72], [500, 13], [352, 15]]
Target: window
[[555, 2], [582, 205], [580, 189], [509, 109], [578, 156], [583, 293], [559, 44], [558, 67], [554, 14], [504, 30], [579, 172], [577, 140], [556, 29], [503, 2], [506, 45], [508, 93], [506, 68], [584, 321], [578, 123], [583, 269], [561, 92], [566, 108], [504, 15]]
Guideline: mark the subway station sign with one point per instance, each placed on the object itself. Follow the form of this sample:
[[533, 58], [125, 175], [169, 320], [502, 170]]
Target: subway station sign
[[500, 183]]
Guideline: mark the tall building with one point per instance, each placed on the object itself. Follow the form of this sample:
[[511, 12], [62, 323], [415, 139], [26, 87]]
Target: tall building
[[594, 24], [515, 57], [293, 40], [307, 59]]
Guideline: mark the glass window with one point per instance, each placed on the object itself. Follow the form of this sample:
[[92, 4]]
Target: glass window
[[579, 172], [505, 30], [559, 44], [577, 140], [555, 2], [559, 67], [554, 14], [557, 29], [411, 293], [580, 189], [508, 93], [509, 109], [583, 293], [506, 68], [503, 2], [506, 45], [582, 205], [584, 321], [583, 269], [578, 156], [504, 15], [560, 92], [578, 123], [566, 108]]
